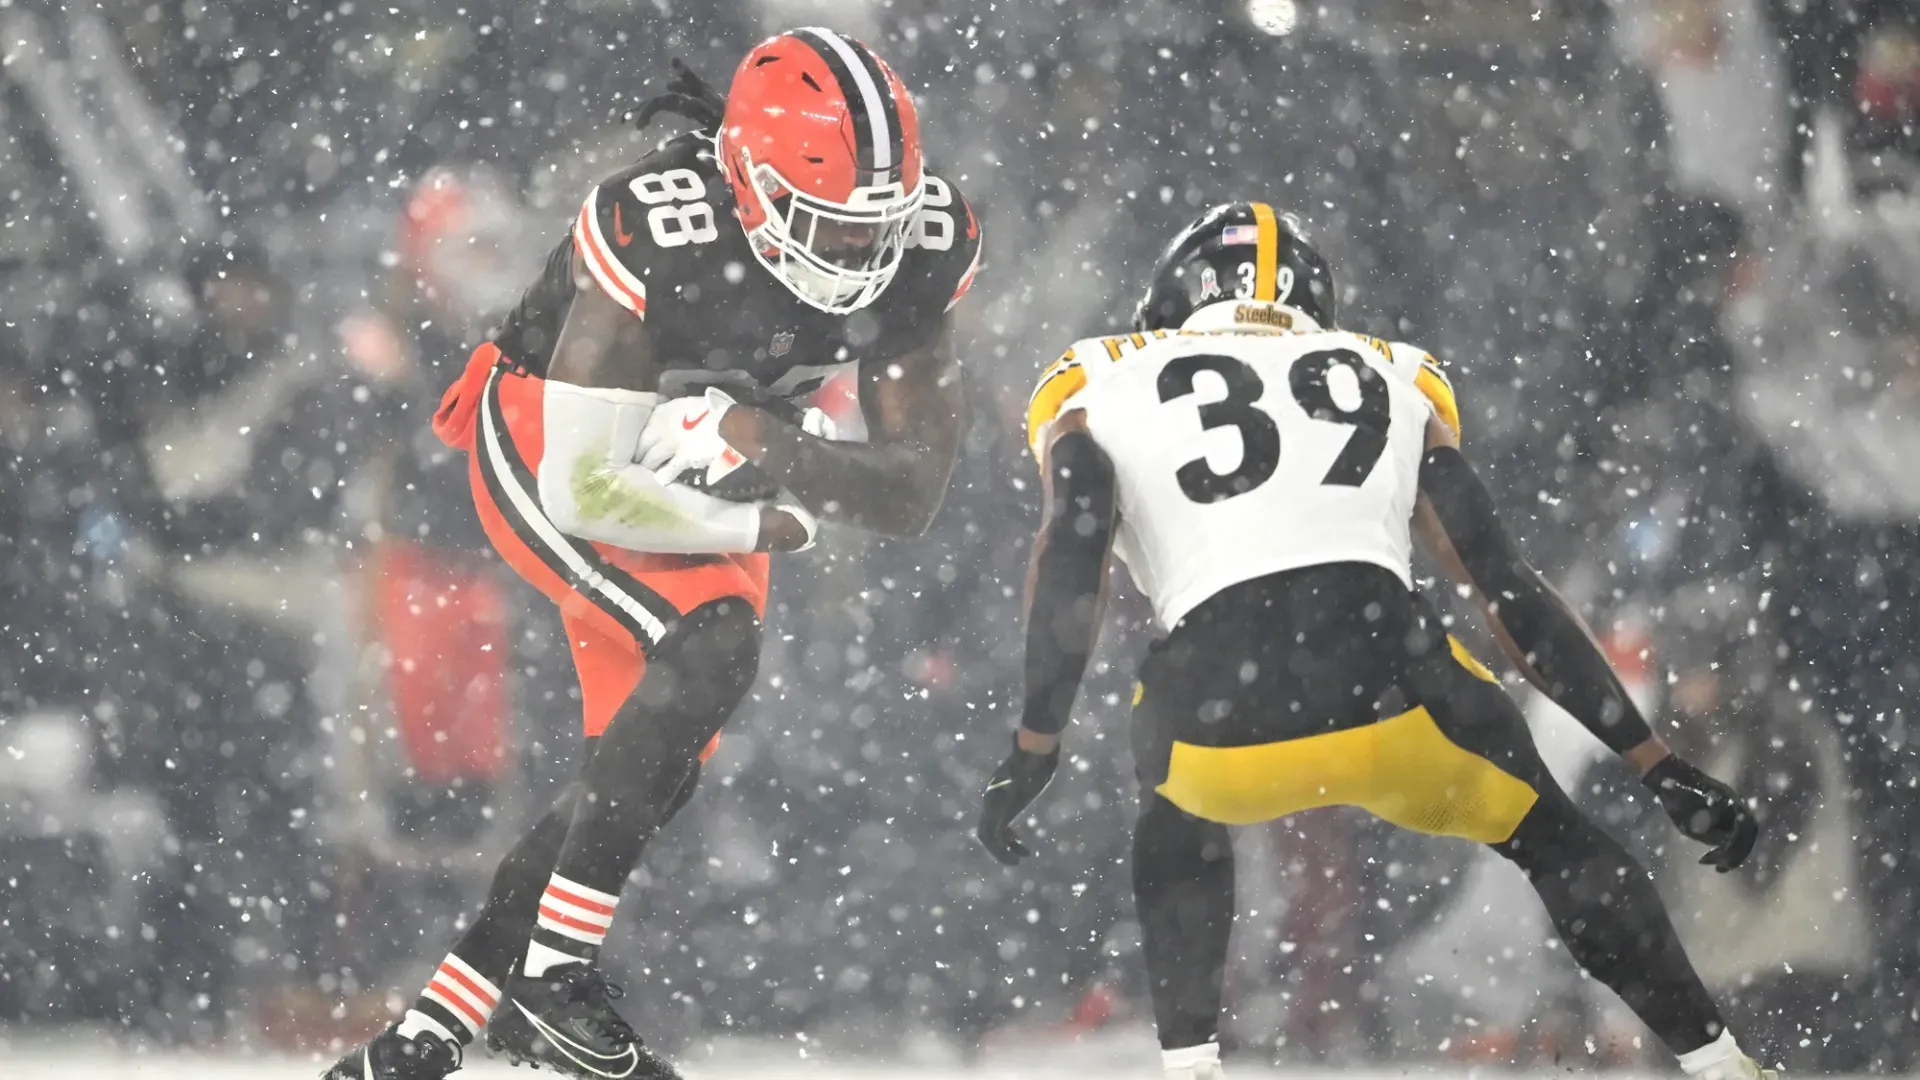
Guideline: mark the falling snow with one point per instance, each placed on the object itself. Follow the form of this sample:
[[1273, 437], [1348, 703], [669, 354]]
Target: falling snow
[[1666, 249]]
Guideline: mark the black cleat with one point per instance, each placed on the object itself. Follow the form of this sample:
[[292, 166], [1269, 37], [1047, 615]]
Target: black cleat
[[393, 1056], [565, 1021]]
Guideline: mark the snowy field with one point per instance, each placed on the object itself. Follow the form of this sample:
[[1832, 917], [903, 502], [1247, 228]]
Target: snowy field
[[85, 1067], [1122, 1058]]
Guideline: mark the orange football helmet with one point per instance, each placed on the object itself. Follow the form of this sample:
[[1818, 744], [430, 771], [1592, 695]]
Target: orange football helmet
[[821, 145]]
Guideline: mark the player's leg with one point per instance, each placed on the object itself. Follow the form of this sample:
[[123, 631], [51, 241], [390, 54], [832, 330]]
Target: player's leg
[[1466, 778], [557, 1009], [464, 990], [427, 1042], [605, 628], [1183, 866], [1183, 893], [694, 679]]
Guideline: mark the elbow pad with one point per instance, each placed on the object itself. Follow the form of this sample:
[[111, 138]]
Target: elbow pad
[[591, 485], [1581, 680]]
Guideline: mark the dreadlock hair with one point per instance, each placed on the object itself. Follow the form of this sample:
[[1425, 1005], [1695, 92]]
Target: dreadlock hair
[[686, 95]]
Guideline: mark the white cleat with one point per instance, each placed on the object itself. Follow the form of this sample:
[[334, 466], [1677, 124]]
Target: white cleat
[[1722, 1059], [1740, 1067], [1193, 1063]]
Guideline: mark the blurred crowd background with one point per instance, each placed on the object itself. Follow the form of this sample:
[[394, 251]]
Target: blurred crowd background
[[270, 709]]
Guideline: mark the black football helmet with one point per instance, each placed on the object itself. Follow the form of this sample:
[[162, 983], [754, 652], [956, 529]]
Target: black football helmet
[[1238, 251]]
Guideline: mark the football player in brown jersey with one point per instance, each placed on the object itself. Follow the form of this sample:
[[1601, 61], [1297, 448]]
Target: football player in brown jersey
[[636, 449]]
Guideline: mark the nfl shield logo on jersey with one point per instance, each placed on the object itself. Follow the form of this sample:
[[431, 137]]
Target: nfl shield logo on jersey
[[782, 342]]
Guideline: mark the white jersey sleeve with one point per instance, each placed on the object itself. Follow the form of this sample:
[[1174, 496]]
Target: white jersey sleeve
[[1063, 379], [1243, 455]]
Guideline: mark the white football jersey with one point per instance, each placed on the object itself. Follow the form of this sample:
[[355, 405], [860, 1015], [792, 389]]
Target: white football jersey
[[1239, 455]]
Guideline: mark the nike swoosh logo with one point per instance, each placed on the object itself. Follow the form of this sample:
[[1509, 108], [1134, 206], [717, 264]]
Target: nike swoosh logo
[[620, 235], [569, 1047], [694, 422], [997, 784]]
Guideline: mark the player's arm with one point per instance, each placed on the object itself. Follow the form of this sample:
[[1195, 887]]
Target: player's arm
[[597, 400], [895, 482], [1066, 602], [1545, 638], [603, 343], [914, 405], [1552, 646]]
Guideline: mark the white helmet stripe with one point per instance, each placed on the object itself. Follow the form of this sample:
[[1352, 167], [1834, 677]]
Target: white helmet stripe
[[873, 96]]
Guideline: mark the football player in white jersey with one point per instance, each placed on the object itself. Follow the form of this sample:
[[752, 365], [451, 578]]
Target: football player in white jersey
[[1262, 474]]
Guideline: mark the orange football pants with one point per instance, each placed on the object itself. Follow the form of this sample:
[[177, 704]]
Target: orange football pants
[[616, 604]]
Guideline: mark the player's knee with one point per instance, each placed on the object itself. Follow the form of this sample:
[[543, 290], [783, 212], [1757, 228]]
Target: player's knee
[[708, 662]]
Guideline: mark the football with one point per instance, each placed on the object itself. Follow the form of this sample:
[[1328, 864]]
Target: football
[[748, 483]]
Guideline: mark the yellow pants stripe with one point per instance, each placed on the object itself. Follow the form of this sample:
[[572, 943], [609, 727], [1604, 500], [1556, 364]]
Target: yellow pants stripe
[[1403, 769], [1466, 660]]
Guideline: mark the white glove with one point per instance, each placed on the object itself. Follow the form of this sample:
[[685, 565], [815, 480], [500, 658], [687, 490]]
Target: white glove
[[683, 435]]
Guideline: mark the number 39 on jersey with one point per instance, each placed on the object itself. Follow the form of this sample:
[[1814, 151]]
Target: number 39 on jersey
[[1240, 455]]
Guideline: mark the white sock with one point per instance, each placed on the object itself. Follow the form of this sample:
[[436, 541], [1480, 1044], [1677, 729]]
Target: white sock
[[1190, 1057], [542, 958], [1717, 1052], [571, 912]]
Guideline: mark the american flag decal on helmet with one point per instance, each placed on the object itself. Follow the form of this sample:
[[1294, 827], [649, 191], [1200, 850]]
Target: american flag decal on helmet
[[1240, 234]]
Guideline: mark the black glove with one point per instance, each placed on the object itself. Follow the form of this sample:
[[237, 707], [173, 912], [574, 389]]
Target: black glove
[[1704, 809], [1016, 783]]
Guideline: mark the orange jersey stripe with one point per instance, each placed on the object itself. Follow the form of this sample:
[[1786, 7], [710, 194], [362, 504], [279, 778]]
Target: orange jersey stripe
[[601, 262]]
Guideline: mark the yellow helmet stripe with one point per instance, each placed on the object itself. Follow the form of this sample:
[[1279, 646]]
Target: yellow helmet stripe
[[1266, 252]]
